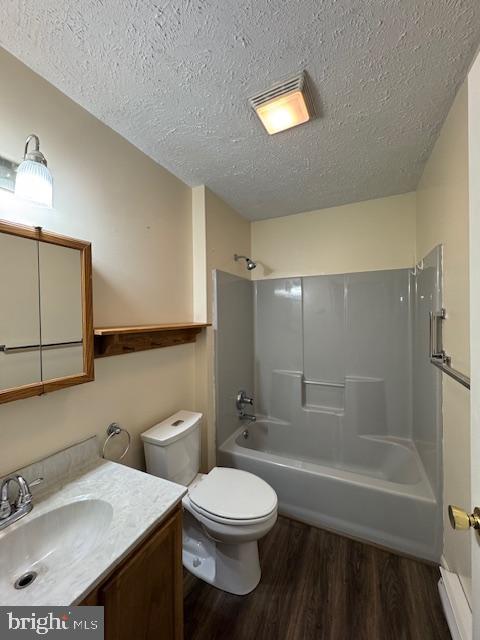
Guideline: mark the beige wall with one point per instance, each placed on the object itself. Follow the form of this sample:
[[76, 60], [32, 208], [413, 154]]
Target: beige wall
[[227, 233], [442, 218], [138, 218], [218, 233], [199, 254], [365, 236]]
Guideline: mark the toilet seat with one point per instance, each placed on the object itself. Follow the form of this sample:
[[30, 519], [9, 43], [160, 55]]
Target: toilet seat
[[232, 496], [235, 523]]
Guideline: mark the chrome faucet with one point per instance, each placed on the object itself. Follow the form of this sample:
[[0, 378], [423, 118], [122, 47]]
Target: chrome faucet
[[11, 512], [242, 400]]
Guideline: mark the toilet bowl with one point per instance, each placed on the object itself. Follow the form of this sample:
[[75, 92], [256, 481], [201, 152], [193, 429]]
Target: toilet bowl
[[225, 511]]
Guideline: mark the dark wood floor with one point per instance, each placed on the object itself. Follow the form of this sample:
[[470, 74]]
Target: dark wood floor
[[320, 586]]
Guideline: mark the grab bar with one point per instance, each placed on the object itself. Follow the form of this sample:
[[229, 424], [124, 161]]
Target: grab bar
[[34, 347], [436, 335], [319, 383], [438, 357], [450, 371]]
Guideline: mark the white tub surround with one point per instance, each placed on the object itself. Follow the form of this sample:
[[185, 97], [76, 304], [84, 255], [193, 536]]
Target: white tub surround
[[382, 495], [113, 506], [348, 405]]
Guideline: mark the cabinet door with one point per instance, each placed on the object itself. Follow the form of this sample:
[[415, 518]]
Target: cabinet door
[[20, 357], [144, 599]]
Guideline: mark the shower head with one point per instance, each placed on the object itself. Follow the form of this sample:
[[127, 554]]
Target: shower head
[[250, 263]]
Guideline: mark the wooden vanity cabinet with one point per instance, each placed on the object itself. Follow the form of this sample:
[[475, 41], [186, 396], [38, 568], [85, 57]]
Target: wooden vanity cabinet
[[143, 597]]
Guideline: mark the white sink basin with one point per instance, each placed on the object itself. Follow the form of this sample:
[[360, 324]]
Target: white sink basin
[[57, 538]]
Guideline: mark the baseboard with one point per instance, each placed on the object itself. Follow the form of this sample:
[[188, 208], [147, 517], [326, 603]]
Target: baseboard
[[455, 605]]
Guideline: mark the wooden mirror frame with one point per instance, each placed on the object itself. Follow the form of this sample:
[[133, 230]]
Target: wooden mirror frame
[[85, 248]]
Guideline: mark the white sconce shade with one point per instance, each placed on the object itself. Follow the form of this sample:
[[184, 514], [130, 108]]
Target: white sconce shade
[[34, 180]]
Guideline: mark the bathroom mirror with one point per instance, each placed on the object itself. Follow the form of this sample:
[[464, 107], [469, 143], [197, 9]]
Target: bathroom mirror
[[46, 324]]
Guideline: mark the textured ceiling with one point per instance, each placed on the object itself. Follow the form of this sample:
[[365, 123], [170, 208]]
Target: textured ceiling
[[174, 76]]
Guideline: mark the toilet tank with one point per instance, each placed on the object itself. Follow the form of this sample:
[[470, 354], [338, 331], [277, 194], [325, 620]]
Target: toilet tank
[[172, 447]]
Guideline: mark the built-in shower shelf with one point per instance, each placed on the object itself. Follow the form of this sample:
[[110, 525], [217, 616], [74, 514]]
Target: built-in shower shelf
[[115, 341]]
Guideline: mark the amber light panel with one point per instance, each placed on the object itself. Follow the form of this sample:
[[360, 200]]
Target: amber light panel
[[283, 113]]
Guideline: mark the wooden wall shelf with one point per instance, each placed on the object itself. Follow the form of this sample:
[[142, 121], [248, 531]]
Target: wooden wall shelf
[[115, 341]]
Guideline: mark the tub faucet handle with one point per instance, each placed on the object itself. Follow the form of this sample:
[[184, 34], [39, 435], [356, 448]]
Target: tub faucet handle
[[243, 399]]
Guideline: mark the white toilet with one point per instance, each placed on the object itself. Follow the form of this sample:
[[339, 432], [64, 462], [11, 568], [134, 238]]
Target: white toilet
[[225, 511]]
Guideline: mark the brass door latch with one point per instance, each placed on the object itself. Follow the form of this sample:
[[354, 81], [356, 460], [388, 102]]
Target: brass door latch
[[460, 519]]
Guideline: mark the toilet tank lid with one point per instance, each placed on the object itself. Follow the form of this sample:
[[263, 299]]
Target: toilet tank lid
[[173, 428]]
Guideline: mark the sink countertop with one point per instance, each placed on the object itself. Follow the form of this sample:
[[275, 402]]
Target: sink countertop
[[139, 501]]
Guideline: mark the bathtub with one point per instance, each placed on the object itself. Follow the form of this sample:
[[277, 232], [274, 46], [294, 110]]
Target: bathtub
[[371, 488]]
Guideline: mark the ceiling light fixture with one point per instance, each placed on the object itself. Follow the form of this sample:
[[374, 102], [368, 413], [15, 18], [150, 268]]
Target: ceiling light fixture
[[285, 105], [34, 180]]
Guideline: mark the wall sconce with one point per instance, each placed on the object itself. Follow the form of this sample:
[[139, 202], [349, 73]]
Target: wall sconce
[[34, 180]]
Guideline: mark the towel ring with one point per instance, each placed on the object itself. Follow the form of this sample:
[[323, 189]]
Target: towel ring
[[115, 429]]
